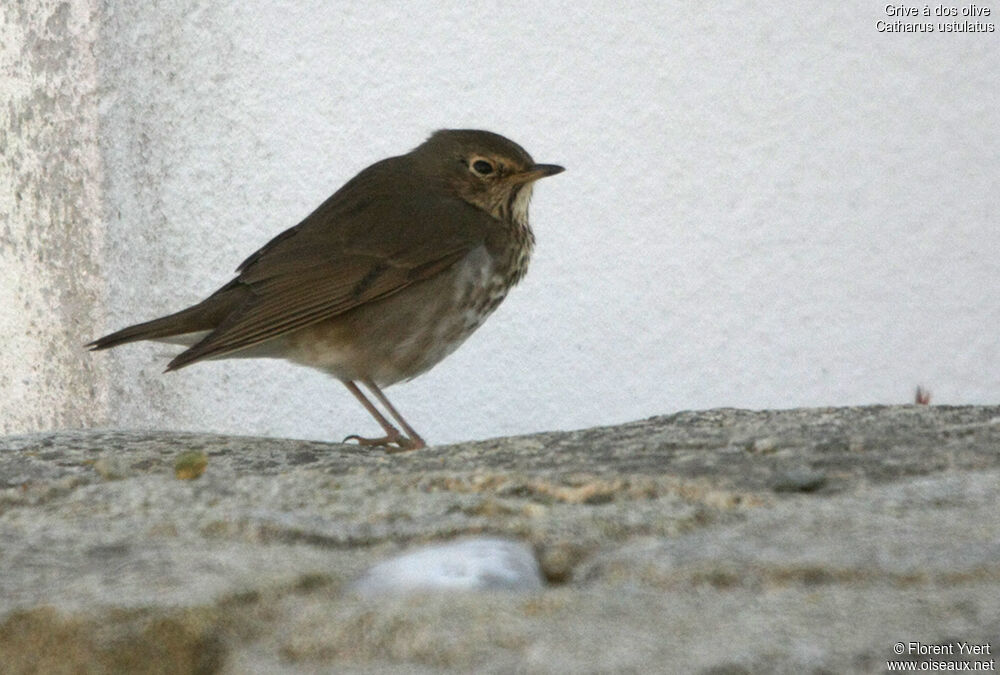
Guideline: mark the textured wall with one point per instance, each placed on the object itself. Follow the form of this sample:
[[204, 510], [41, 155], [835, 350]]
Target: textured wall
[[764, 205], [50, 217]]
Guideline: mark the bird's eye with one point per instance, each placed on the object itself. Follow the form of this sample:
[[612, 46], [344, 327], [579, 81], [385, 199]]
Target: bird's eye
[[482, 167]]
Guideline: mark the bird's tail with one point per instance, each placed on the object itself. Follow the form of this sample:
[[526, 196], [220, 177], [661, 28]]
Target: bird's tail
[[204, 316]]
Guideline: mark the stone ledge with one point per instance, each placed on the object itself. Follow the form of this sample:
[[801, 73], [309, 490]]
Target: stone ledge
[[715, 541]]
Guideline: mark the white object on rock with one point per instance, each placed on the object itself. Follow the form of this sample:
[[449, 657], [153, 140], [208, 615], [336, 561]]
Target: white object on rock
[[464, 564]]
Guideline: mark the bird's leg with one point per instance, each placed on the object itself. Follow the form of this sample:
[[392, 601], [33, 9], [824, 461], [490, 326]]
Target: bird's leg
[[416, 442], [392, 434]]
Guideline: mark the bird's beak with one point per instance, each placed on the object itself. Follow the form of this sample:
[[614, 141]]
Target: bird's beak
[[539, 171]]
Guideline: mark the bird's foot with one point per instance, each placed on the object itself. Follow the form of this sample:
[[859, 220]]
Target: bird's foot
[[392, 443]]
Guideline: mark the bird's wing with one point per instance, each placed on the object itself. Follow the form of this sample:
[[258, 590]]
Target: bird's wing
[[368, 241]]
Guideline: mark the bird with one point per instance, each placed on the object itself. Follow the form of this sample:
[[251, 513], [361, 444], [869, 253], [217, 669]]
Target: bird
[[382, 280]]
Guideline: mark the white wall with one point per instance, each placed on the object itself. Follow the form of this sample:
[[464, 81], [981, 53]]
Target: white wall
[[51, 235], [765, 204]]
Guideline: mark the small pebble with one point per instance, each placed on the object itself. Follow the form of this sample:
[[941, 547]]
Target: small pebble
[[465, 564]]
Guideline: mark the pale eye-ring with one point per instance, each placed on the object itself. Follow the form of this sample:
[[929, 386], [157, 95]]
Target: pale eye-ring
[[482, 167]]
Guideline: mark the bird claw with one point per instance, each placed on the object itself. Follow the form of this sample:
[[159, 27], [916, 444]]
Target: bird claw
[[402, 443]]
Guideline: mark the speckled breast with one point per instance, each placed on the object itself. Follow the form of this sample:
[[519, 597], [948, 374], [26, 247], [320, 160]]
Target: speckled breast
[[407, 333]]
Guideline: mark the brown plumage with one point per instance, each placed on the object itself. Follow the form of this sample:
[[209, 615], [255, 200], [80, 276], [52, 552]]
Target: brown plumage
[[383, 280]]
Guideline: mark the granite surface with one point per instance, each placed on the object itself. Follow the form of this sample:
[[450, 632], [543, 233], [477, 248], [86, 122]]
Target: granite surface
[[720, 541]]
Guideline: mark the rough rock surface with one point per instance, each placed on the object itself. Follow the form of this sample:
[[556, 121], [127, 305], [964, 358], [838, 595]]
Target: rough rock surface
[[723, 541]]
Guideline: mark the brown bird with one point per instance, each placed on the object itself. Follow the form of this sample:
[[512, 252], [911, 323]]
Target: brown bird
[[382, 281]]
